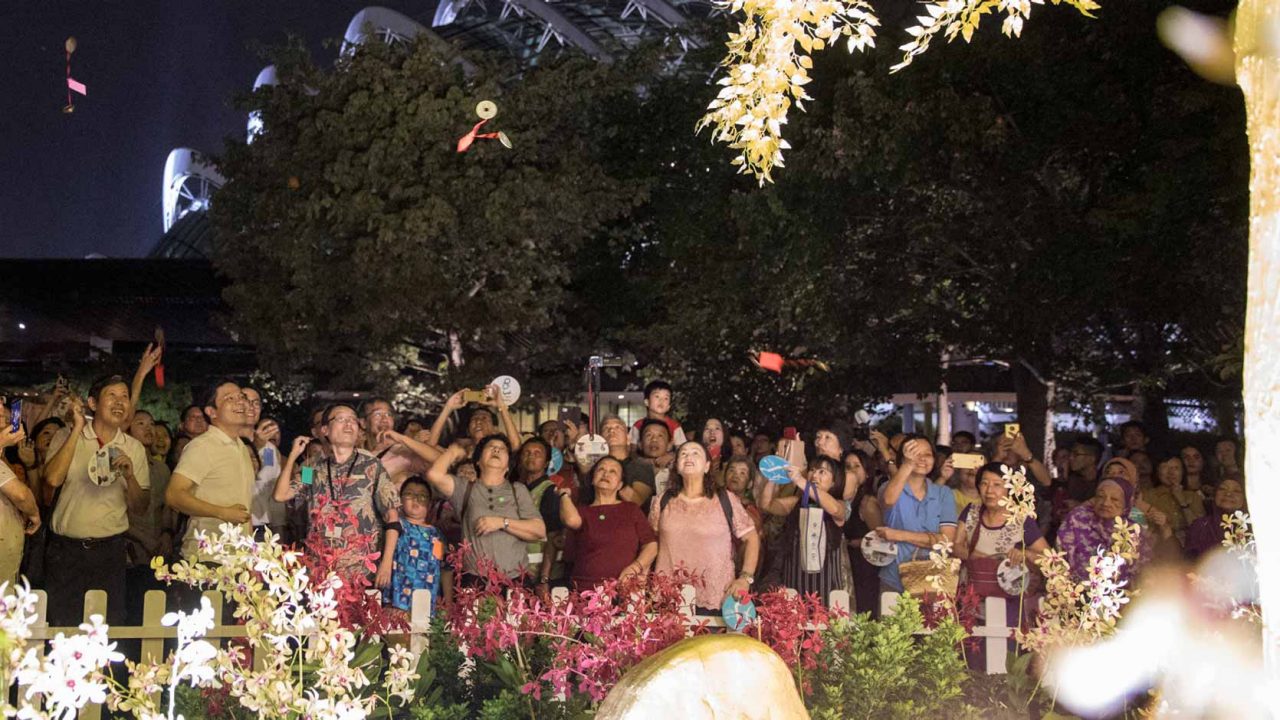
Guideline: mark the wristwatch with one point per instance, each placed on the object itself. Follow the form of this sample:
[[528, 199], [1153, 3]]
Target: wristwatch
[[751, 579], [506, 523]]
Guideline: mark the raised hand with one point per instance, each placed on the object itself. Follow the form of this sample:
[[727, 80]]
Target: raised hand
[[10, 437], [27, 452], [882, 444], [1020, 448], [265, 432], [455, 401], [76, 412], [150, 358], [299, 446]]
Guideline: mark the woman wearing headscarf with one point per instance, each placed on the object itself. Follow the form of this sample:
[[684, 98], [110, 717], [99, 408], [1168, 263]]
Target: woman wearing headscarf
[[1206, 532], [1141, 512], [1088, 527]]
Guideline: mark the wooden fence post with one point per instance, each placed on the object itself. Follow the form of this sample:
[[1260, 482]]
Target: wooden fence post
[[153, 606], [95, 603], [839, 600], [419, 621], [995, 632], [39, 630]]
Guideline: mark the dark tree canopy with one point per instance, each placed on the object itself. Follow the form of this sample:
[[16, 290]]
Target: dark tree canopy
[[1074, 202], [354, 232]]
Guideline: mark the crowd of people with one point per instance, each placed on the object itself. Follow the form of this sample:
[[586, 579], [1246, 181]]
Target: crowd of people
[[94, 487]]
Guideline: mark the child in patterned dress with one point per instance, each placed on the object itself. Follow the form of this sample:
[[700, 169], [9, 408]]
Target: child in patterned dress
[[413, 552]]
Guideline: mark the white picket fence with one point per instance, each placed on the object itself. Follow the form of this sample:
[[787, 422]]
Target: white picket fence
[[994, 629], [152, 635]]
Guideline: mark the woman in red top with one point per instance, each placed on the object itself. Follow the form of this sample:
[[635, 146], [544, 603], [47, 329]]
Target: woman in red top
[[612, 537]]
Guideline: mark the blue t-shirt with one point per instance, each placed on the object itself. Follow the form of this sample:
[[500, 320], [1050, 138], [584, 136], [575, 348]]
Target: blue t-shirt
[[938, 508]]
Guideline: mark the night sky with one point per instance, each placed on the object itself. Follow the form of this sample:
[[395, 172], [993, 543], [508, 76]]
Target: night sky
[[160, 75]]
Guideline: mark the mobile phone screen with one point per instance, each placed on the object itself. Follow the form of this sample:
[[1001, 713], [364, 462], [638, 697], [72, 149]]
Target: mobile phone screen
[[15, 415]]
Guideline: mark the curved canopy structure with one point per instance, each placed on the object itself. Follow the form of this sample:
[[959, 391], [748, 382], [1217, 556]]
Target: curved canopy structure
[[190, 179], [266, 76], [522, 29]]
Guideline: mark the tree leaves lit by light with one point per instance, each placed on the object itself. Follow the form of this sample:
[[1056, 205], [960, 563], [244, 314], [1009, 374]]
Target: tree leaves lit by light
[[767, 73]]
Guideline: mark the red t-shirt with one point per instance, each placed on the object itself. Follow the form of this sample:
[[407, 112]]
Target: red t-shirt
[[609, 540]]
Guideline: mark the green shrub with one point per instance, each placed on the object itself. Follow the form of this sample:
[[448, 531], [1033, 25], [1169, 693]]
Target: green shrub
[[883, 669]]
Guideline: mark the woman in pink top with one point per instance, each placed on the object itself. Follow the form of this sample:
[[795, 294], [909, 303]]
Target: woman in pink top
[[696, 525]]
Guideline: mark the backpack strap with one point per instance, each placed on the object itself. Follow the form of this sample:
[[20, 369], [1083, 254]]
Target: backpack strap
[[466, 500], [723, 496], [727, 508], [977, 527]]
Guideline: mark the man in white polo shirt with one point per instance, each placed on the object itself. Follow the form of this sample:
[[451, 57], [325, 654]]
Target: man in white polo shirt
[[103, 474], [213, 482]]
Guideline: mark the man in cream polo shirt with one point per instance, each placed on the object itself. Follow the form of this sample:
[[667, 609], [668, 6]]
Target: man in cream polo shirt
[[213, 483], [102, 473]]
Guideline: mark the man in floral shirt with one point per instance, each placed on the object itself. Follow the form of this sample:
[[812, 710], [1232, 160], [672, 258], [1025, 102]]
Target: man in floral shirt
[[349, 495]]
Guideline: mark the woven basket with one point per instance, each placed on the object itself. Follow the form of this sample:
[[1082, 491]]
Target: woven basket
[[915, 578]]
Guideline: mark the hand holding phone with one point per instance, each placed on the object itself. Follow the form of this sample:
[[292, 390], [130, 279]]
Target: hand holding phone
[[1012, 430], [15, 416]]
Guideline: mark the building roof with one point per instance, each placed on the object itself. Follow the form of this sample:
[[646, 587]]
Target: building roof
[[57, 313], [190, 238]]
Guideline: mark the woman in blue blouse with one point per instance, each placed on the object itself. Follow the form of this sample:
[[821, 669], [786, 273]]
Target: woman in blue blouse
[[918, 513]]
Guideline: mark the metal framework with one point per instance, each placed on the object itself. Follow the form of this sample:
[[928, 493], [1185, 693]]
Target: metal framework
[[602, 29]]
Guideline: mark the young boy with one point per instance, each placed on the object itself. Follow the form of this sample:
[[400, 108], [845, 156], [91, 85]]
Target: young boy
[[657, 401]]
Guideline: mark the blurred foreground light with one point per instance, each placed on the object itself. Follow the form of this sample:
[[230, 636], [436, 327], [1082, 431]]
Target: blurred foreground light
[[1202, 41], [1178, 638]]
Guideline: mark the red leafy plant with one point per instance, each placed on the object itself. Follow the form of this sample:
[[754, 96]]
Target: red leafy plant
[[592, 637], [352, 557], [792, 625]]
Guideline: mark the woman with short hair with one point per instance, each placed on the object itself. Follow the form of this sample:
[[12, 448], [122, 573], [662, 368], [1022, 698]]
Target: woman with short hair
[[1181, 505], [611, 536], [918, 513], [498, 517]]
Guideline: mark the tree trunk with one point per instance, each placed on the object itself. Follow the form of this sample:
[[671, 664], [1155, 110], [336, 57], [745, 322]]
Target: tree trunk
[[1155, 416], [1033, 406], [1258, 72]]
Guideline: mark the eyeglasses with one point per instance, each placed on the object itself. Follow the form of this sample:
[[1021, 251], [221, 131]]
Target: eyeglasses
[[380, 414], [343, 420], [416, 497]]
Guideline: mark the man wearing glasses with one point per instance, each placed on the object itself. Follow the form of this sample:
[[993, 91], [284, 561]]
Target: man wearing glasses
[[401, 454], [349, 484], [213, 483]]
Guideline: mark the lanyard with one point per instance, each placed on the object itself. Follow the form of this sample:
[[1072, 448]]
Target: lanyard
[[328, 464]]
